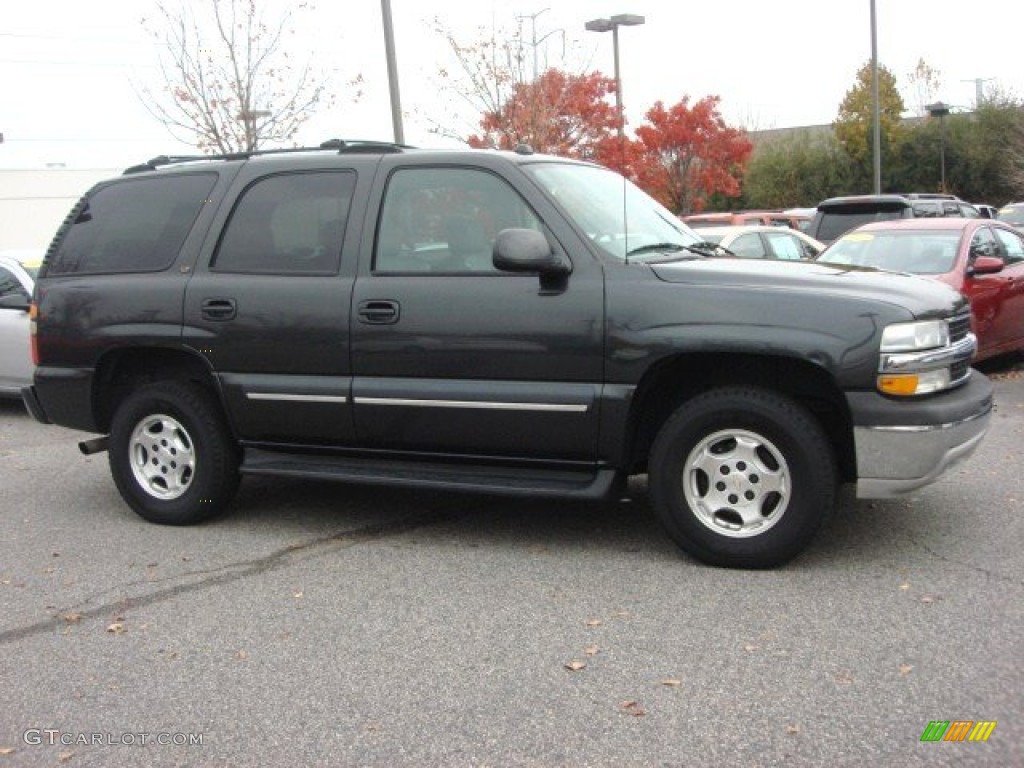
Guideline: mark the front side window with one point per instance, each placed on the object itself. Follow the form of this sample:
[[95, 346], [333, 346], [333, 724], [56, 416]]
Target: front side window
[[289, 224], [1013, 245], [984, 244], [446, 220], [133, 225]]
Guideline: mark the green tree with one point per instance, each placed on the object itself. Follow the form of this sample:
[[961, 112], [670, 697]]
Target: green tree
[[795, 171], [853, 124]]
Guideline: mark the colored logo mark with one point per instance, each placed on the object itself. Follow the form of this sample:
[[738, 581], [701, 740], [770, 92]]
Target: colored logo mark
[[958, 730]]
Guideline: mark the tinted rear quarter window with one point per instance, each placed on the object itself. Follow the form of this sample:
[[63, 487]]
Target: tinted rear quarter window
[[132, 225]]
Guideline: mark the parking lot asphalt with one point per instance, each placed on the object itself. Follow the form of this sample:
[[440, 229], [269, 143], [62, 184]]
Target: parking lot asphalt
[[325, 624]]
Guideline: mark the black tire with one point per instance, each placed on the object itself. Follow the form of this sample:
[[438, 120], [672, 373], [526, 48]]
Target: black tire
[[171, 455], [742, 477]]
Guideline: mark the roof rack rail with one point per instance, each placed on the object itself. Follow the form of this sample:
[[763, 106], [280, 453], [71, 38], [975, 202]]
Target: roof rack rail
[[343, 146]]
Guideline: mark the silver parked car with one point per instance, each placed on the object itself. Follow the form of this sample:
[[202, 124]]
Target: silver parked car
[[17, 278], [763, 242]]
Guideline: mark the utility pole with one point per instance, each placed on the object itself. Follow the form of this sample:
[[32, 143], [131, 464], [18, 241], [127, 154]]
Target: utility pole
[[979, 89], [535, 41], [876, 132]]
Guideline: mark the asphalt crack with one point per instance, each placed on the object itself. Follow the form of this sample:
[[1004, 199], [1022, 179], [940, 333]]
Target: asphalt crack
[[227, 574]]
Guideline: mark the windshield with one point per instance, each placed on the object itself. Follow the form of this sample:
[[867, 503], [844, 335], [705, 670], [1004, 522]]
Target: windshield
[[1012, 215], [920, 252], [616, 215]]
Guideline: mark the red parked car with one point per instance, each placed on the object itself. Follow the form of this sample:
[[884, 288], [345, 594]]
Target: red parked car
[[982, 258]]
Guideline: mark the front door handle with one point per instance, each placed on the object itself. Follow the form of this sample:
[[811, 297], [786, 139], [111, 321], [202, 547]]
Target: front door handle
[[378, 312], [219, 309]]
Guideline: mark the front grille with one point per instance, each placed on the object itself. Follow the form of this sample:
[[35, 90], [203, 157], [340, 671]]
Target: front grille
[[959, 327]]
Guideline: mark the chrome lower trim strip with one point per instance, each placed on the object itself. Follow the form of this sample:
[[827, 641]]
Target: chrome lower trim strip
[[932, 427], [296, 398], [477, 404]]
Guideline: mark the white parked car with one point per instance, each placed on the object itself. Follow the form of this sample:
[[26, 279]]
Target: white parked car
[[17, 278], [763, 242]]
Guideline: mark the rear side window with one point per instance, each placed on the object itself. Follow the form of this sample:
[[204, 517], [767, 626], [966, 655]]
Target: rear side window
[[289, 224], [134, 225]]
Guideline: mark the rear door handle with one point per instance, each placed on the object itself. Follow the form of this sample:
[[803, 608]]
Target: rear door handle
[[378, 312], [219, 309]]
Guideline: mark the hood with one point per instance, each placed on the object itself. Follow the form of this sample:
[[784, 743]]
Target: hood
[[923, 297]]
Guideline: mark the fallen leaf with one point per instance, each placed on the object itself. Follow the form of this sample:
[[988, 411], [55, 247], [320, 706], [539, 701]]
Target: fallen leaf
[[633, 708], [242, 655], [751, 647], [72, 618], [575, 666], [672, 682], [844, 677], [117, 628], [65, 756], [905, 669], [591, 650], [7, 750], [793, 728], [904, 586], [594, 623], [297, 595]]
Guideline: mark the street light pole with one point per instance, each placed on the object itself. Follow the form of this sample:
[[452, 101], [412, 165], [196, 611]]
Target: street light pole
[[612, 25], [389, 52], [940, 110], [876, 129]]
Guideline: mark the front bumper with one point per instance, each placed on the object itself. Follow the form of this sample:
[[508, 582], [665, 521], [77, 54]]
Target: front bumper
[[903, 445]]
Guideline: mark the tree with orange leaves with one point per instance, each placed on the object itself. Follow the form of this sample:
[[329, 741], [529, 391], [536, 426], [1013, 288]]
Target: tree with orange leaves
[[558, 113], [685, 154]]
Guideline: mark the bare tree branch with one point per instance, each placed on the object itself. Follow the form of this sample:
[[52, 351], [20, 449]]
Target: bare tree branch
[[229, 83]]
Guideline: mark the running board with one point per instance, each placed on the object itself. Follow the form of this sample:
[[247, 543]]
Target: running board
[[475, 478]]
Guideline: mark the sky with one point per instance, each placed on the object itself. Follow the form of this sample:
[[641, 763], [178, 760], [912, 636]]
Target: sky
[[71, 71]]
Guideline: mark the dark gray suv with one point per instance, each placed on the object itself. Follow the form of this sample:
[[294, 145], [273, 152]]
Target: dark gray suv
[[839, 215]]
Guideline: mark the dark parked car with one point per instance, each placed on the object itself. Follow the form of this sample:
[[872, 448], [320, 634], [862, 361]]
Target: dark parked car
[[983, 259], [480, 321], [841, 214]]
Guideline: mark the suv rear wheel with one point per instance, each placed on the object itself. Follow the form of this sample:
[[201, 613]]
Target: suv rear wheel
[[742, 477], [171, 454]]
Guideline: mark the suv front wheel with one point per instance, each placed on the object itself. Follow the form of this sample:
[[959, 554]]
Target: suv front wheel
[[171, 454], [742, 477]]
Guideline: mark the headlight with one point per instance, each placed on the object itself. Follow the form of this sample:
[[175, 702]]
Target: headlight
[[911, 337]]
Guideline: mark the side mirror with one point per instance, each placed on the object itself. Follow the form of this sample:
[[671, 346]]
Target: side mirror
[[986, 265], [16, 301], [527, 250]]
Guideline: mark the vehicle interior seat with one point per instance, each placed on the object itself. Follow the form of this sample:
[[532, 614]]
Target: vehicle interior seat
[[468, 244]]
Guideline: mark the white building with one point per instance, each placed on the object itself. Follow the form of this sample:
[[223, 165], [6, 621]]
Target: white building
[[34, 202]]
